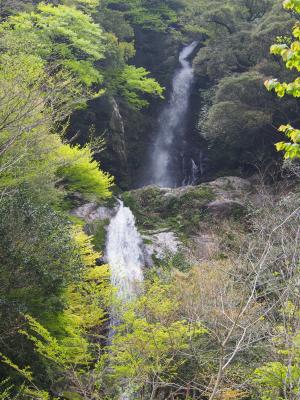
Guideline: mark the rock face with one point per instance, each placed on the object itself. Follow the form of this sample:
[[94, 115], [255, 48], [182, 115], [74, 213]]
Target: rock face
[[232, 193], [161, 244], [91, 212], [231, 187], [116, 136], [187, 219], [224, 208], [181, 220], [104, 119], [185, 207]]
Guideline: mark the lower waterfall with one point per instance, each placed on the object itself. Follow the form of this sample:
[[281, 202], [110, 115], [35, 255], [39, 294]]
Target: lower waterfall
[[124, 253]]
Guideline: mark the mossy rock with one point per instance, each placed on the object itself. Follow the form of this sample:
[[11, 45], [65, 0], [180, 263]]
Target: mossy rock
[[178, 209], [184, 209], [98, 230]]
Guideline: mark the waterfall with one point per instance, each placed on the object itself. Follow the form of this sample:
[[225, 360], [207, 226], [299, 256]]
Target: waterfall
[[164, 163], [124, 253]]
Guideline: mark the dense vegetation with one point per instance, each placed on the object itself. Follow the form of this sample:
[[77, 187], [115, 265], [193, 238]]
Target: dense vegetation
[[231, 109], [80, 82], [238, 116]]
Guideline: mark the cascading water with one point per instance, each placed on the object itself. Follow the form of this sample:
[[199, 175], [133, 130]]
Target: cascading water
[[124, 246], [124, 253], [164, 163]]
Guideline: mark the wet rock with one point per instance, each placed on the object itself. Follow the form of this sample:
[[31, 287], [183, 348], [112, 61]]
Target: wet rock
[[100, 261]]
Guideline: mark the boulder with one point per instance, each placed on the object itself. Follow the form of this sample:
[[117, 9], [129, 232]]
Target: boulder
[[231, 188], [182, 210], [225, 208]]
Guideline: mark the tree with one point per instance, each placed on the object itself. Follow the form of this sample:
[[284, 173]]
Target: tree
[[289, 51], [280, 380], [30, 151], [148, 345], [236, 36], [62, 36], [74, 363]]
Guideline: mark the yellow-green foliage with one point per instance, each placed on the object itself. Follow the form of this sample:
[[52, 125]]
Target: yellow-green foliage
[[148, 344], [88, 299], [290, 54], [154, 15], [24, 143], [282, 376], [292, 5], [60, 34], [81, 173], [88, 6], [30, 151], [70, 352], [135, 82]]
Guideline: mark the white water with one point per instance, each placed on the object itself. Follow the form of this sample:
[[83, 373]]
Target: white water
[[124, 253], [172, 124]]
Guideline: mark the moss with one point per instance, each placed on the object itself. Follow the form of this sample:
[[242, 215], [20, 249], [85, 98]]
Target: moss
[[187, 211], [76, 220], [180, 211], [147, 241], [98, 230], [152, 196], [146, 206], [130, 201]]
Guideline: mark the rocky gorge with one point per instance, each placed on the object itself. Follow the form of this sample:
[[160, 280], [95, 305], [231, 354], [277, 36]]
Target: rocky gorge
[[185, 220]]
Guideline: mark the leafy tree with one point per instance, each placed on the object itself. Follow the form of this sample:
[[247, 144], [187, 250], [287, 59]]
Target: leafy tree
[[74, 364], [147, 345], [79, 172], [279, 379], [236, 110], [289, 52], [154, 15], [236, 36], [30, 152], [133, 82], [63, 36], [38, 257]]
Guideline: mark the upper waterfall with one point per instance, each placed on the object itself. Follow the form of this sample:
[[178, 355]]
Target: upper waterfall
[[164, 162], [124, 252]]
